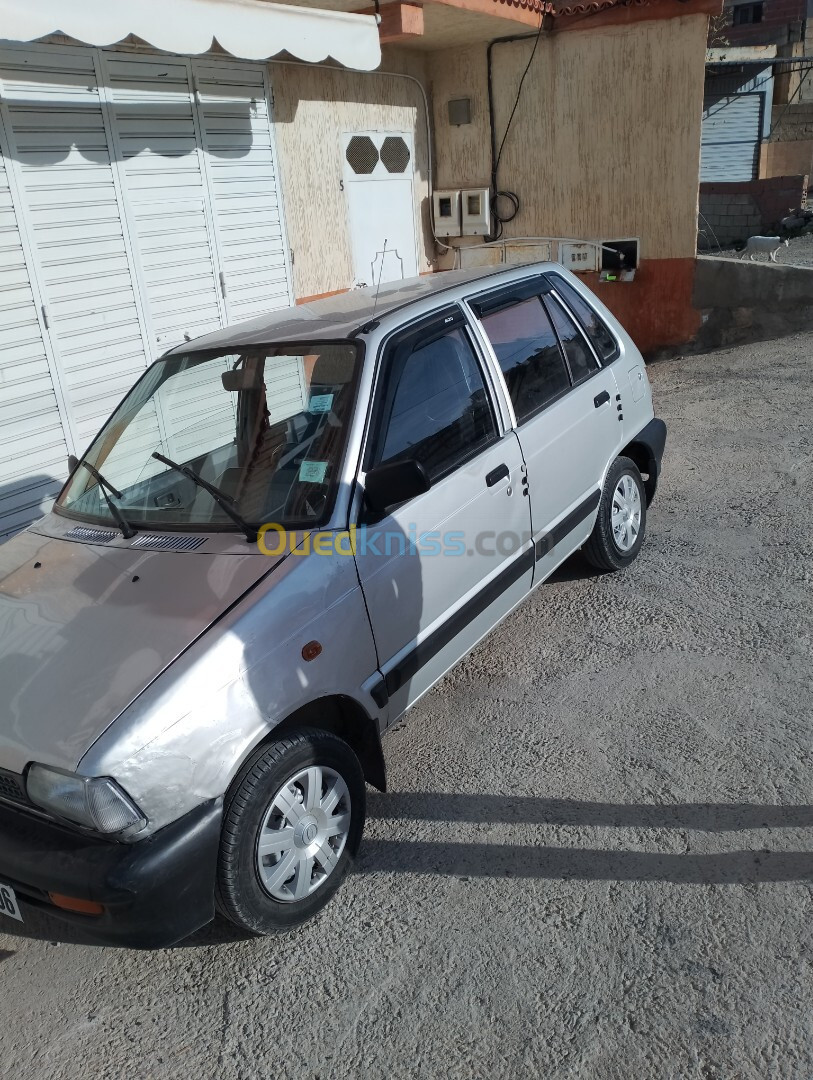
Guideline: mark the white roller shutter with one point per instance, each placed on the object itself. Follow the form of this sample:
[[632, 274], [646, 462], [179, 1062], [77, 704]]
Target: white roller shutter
[[32, 441], [59, 141], [158, 144], [145, 189], [236, 130], [730, 138]]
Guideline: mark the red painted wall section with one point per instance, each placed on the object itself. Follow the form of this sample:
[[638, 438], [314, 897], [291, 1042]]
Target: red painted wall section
[[656, 308]]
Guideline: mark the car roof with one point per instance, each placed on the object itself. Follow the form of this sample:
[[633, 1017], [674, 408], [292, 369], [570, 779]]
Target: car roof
[[342, 316]]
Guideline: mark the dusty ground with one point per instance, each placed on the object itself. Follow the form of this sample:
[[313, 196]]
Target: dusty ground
[[597, 856]]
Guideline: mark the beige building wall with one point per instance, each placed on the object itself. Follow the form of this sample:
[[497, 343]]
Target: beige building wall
[[313, 108], [786, 159], [606, 139]]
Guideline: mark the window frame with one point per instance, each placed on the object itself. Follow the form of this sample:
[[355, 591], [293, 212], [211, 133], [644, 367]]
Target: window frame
[[553, 278], [443, 320], [517, 292], [752, 8], [557, 299]]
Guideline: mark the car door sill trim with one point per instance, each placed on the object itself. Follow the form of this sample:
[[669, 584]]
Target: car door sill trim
[[423, 652], [549, 541]]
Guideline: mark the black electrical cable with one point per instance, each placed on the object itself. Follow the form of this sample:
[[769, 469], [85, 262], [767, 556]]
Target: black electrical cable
[[501, 219]]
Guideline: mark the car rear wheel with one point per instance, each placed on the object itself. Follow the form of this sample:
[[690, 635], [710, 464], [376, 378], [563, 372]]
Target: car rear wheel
[[621, 522], [292, 826]]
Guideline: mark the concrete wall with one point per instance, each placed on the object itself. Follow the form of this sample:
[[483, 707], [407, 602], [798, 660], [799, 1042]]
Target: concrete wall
[[606, 140], [792, 122], [744, 301], [732, 212], [313, 107], [786, 158], [605, 143], [790, 149]]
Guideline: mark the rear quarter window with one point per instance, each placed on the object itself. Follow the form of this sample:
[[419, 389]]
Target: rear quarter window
[[601, 338]]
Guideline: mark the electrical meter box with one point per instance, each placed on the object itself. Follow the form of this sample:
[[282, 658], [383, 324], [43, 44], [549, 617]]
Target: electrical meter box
[[475, 204], [580, 258], [446, 210]]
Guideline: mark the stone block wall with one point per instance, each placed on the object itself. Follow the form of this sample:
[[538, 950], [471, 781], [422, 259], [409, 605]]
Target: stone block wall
[[733, 212]]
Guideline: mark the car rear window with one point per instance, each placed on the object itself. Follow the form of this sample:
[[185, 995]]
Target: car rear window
[[602, 340]]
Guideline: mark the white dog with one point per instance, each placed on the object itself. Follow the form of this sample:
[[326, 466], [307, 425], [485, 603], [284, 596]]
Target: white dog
[[763, 245]]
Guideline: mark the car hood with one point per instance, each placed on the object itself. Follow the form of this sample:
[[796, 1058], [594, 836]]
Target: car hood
[[85, 628]]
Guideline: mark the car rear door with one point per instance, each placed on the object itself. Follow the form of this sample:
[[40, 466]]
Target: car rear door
[[441, 569], [565, 410]]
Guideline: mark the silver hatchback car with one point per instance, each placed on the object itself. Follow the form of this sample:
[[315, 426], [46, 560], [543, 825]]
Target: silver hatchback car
[[285, 535]]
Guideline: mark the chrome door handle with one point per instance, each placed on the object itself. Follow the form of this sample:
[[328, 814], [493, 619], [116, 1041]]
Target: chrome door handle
[[502, 472]]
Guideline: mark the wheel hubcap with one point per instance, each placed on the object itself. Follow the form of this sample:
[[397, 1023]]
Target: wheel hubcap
[[626, 513], [304, 833]]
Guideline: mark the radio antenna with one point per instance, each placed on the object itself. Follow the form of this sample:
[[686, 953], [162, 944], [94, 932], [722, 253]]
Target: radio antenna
[[380, 272]]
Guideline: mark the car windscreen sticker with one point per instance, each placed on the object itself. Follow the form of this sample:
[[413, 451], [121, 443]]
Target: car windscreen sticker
[[313, 472], [321, 403]]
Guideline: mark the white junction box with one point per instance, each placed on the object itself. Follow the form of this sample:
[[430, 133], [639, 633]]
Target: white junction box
[[475, 204], [580, 258], [446, 211]]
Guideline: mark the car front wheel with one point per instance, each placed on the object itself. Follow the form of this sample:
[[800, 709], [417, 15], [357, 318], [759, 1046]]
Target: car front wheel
[[621, 522], [292, 826]]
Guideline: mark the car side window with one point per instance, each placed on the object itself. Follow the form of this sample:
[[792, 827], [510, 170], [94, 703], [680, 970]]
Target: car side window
[[580, 358], [528, 352], [602, 340], [436, 408]]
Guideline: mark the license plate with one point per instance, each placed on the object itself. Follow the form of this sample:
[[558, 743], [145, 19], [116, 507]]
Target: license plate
[[8, 903]]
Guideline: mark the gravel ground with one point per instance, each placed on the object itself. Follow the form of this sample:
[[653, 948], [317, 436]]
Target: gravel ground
[[596, 859], [798, 253]]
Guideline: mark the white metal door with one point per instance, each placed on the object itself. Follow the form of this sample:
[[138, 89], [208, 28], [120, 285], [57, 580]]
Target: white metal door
[[378, 174]]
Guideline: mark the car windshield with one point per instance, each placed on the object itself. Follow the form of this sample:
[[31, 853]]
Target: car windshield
[[266, 427]]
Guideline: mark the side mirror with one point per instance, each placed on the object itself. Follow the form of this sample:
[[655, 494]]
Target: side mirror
[[396, 482], [73, 462]]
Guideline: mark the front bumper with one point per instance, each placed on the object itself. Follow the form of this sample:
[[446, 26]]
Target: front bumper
[[155, 892]]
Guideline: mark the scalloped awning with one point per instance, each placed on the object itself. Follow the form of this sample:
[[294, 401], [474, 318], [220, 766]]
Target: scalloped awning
[[248, 29]]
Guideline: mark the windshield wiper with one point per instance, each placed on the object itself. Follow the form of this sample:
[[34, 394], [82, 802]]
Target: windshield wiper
[[127, 530], [220, 497]]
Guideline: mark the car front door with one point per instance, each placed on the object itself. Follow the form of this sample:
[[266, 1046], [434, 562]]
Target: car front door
[[440, 569], [565, 407]]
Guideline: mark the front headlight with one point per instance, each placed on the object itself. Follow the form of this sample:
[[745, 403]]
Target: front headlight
[[95, 801]]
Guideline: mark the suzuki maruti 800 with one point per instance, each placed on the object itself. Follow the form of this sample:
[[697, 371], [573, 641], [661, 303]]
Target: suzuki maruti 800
[[285, 535]]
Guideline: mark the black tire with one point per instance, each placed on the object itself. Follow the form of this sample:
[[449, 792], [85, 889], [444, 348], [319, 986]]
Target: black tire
[[601, 549], [240, 893]]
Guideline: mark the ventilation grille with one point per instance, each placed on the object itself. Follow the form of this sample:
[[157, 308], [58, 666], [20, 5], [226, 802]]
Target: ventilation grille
[[91, 536], [361, 154], [11, 787], [168, 543], [394, 154]]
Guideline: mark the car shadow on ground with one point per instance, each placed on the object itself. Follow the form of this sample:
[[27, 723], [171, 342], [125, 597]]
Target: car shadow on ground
[[462, 859], [575, 568], [459, 858]]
